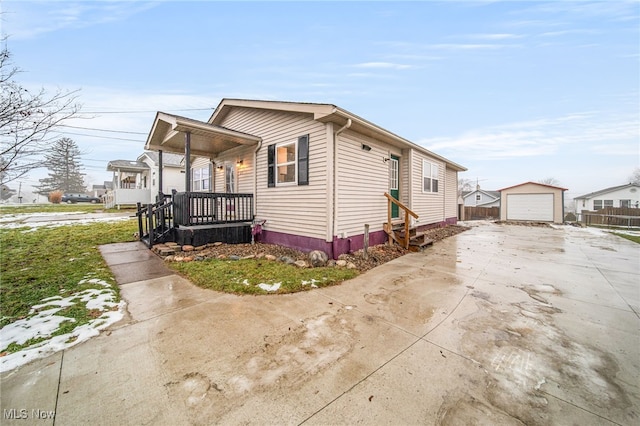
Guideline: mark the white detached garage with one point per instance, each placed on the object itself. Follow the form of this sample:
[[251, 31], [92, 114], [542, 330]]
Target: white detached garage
[[534, 202]]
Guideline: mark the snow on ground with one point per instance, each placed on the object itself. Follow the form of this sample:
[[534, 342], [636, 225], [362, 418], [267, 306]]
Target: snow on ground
[[43, 321], [54, 220]]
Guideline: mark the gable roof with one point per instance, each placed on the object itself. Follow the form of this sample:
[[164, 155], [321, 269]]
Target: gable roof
[[207, 139], [114, 165], [533, 183], [604, 191], [325, 113], [492, 194], [168, 158]]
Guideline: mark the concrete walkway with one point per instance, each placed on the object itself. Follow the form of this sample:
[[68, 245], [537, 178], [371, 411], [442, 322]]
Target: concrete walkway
[[498, 325]]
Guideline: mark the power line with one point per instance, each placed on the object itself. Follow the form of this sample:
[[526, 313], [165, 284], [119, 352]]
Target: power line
[[145, 111], [104, 137], [102, 130]]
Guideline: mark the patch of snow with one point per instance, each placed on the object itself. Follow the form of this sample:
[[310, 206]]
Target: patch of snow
[[267, 287], [312, 282], [42, 322], [32, 226], [245, 282]]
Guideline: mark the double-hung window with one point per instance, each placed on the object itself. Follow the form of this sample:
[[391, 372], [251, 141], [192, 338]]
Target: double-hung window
[[200, 179], [597, 204], [625, 203], [288, 162], [429, 176], [608, 203]]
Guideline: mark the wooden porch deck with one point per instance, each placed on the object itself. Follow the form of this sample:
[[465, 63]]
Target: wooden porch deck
[[197, 218]]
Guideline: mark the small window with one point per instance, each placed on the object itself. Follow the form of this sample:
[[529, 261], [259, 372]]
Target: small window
[[608, 203], [478, 197], [393, 174], [200, 179], [229, 178], [286, 163], [429, 177], [625, 203], [597, 204]]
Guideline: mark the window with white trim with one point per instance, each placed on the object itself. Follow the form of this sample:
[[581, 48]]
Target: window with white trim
[[286, 164], [200, 179], [394, 176], [597, 204], [608, 203], [229, 178], [429, 176], [478, 197], [625, 203]]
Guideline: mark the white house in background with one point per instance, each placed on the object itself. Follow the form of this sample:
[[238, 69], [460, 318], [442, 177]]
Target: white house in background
[[138, 181], [481, 198], [617, 196]]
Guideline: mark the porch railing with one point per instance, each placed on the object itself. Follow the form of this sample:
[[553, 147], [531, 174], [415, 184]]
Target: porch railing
[[210, 208], [155, 221], [389, 227]]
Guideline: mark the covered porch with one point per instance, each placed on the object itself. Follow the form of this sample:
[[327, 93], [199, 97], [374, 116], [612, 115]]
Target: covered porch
[[130, 183], [196, 217]]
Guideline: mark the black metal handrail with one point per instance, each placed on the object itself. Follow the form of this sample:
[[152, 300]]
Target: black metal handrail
[[210, 208], [155, 221]]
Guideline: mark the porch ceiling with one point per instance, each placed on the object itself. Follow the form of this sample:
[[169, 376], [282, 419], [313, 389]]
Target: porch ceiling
[[207, 140]]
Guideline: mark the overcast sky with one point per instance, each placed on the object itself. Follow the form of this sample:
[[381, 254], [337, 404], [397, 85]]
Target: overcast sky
[[514, 91]]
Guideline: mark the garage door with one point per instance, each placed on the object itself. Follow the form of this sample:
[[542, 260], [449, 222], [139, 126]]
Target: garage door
[[538, 207]]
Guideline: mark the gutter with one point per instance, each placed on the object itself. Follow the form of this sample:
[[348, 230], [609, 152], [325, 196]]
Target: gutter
[[333, 225], [255, 177]]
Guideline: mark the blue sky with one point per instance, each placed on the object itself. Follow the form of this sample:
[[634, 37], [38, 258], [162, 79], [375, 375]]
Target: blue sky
[[514, 91]]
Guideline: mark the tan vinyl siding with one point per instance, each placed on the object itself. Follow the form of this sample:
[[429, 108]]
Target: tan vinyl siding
[[428, 206], [405, 171], [244, 171], [291, 209], [362, 180], [451, 194]]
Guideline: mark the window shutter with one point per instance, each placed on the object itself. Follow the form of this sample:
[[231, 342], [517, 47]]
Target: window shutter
[[303, 160], [271, 168]]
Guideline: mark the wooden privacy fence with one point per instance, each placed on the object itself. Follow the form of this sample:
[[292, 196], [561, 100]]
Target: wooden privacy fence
[[481, 213], [612, 216]]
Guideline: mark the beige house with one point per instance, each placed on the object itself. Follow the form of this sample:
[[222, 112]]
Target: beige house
[[316, 173], [532, 201]]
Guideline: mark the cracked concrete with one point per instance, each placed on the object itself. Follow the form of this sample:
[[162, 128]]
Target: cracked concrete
[[499, 325]]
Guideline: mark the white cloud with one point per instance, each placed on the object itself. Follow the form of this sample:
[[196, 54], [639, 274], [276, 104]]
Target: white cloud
[[544, 136], [497, 36], [382, 65], [32, 19]]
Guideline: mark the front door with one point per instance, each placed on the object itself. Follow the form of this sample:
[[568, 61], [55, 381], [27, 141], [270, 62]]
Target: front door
[[394, 184]]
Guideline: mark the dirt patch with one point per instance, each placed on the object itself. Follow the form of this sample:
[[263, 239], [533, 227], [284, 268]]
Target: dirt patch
[[377, 255], [523, 223]]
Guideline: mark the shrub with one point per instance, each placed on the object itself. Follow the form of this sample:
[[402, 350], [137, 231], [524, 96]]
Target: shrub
[[55, 197]]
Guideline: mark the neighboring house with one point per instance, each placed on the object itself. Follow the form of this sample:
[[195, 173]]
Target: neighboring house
[[138, 181], [532, 201], [100, 190], [617, 196], [315, 172], [481, 198]]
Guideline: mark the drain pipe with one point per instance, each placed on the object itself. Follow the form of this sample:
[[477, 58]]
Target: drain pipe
[[255, 177], [335, 191]]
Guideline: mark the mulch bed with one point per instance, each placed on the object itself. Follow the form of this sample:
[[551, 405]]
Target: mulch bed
[[378, 255]]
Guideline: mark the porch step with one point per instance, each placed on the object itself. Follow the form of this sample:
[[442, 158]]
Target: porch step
[[417, 240]]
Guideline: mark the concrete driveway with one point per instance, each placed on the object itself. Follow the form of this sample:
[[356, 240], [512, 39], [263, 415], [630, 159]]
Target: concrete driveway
[[498, 325]]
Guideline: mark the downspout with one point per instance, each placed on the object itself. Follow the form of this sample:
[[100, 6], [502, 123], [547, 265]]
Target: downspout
[[255, 177], [335, 188]]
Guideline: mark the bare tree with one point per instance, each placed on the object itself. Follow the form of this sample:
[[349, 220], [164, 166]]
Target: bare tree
[[464, 185], [550, 181], [26, 121], [635, 176]]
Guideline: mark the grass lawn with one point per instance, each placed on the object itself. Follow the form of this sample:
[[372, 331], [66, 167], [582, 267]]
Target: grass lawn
[[259, 276], [63, 261], [57, 208], [634, 238]]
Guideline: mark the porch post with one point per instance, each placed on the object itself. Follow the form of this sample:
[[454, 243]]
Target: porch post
[[187, 162], [160, 193]]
